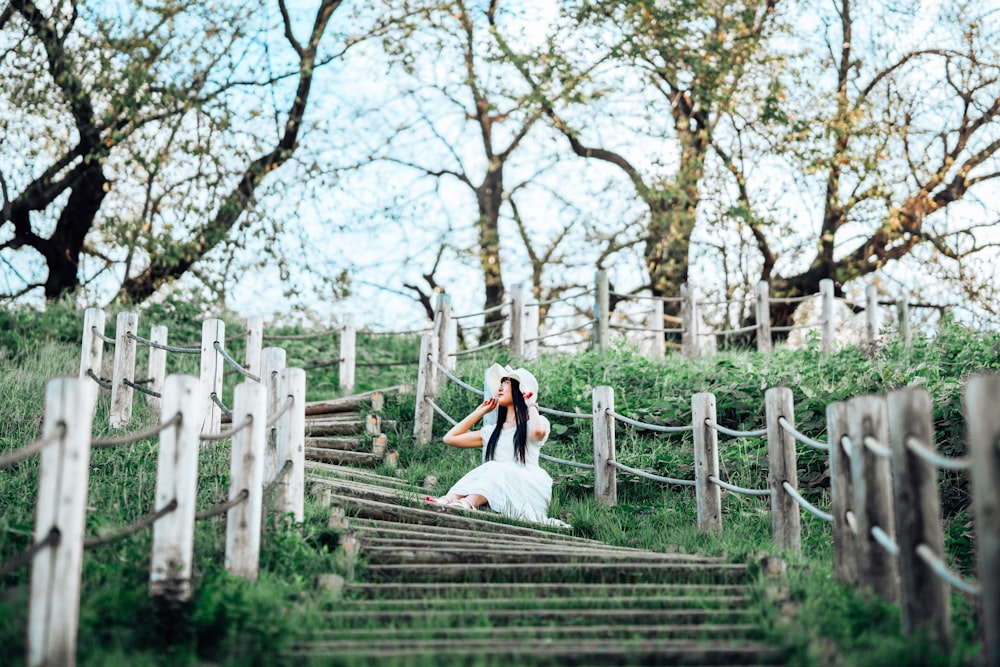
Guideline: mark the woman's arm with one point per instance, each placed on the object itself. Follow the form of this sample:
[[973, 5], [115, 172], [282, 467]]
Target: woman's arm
[[538, 425], [461, 436]]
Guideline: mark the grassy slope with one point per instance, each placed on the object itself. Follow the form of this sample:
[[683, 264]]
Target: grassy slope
[[237, 622]]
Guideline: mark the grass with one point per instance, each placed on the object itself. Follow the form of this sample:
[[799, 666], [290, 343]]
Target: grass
[[235, 622]]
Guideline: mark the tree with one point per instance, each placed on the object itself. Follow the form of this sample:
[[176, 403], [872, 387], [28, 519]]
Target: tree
[[140, 135], [894, 135]]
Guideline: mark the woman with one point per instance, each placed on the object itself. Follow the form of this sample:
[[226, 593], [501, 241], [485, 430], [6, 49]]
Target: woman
[[510, 481]]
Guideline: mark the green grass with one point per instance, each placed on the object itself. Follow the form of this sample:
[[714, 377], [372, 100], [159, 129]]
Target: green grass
[[234, 622]]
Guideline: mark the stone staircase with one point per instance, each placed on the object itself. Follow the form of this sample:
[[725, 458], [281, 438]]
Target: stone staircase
[[430, 585]]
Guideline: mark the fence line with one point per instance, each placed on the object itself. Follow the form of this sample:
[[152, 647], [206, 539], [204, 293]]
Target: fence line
[[885, 510]]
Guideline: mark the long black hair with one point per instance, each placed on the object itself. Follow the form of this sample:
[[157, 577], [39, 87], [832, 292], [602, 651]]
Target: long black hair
[[520, 432]]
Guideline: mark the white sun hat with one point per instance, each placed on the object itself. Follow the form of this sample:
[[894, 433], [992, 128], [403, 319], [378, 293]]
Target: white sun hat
[[496, 372]]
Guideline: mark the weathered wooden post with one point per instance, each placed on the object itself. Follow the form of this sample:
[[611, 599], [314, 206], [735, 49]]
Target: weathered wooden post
[[176, 482], [289, 494], [272, 362], [605, 476], [212, 366], [867, 418], [60, 511], [157, 366], [517, 301], [423, 417], [655, 339], [445, 331], [763, 309], [708, 495], [903, 312], [845, 548], [873, 320], [121, 393], [246, 475], [828, 320], [92, 349], [348, 357], [690, 321], [786, 526], [532, 314], [982, 407], [602, 307], [924, 597], [255, 342]]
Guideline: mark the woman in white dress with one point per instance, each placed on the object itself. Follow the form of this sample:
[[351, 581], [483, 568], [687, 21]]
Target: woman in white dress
[[510, 481]]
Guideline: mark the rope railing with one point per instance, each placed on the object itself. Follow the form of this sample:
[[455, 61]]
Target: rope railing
[[147, 520], [101, 336], [648, 475], [285, 468], [448, 374], [141, 389], [441, 412], [884, 539], [163, 346], [792, 299], [935, 459], [10, 458], [222, 508], [235, 364], [225, 435], [562, 299], [136, 436], [573, 464], [852, 521], [386, 364], [876, 447], [553, 334], [285, 407], [745, 301], [755, 433], [324, 364], [647, 297], [482, 312], [315, 334], [801, 437], [50, 540], [737, 330], [847, 446], [563, 413], [499, 341], [103, 384], [938, 566], [805, 504], [738, 489], [222, 406], [795, 327], [632, 327], [650, 427], [411, 332]]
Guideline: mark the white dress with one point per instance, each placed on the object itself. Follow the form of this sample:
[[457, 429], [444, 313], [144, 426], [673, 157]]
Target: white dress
[[520, 491]]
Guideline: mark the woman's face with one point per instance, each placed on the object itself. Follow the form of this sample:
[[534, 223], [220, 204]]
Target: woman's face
[[505, 394]]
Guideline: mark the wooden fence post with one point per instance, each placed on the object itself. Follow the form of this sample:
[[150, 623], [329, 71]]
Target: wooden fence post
[[517, 300], [602, 306], [212, 366], [63, 478], [255, 342], [348, 357], [423, 417], [845, 557], [246, 474], [444, 330], [872, 316], [903, 312], [866, 416], [605, 476], [272, 362], [157, 364], [176, 482], [828, 320], [121, 393], [982, 408], [708, 495], [924, 597], [690, 338], [92, 349], [786, 526], [763, 309], [290, 491], [532, 314], [654, 341]]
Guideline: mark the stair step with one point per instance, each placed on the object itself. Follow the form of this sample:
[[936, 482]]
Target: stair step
[[340, 456], [344, 444], [599, 631], [421, 590]]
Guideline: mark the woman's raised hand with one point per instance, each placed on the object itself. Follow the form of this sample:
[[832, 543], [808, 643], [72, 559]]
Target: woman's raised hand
[[487, 405]]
